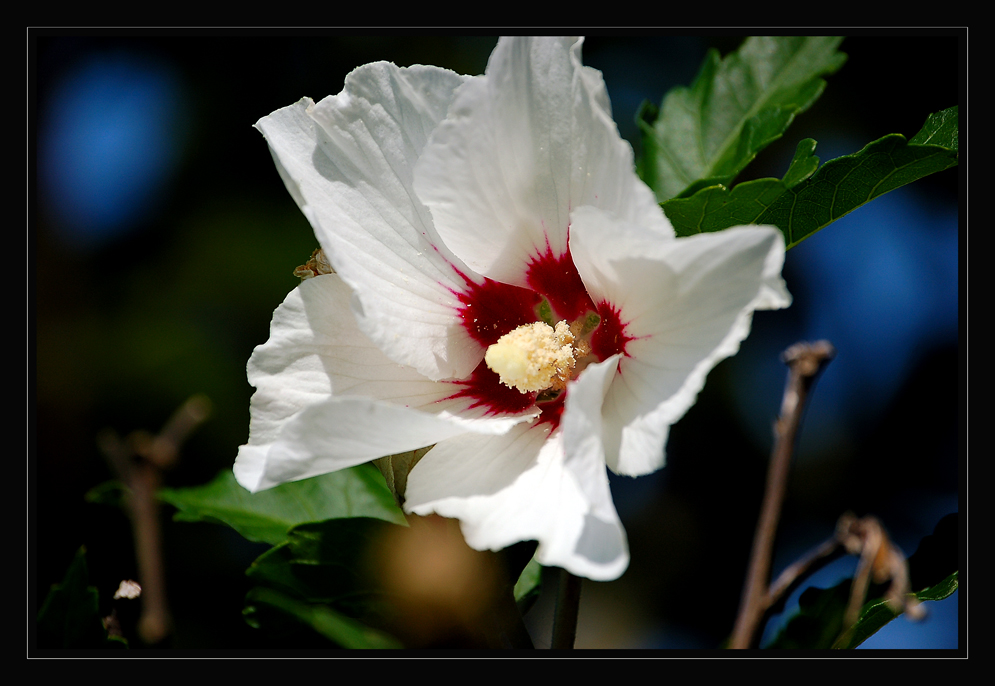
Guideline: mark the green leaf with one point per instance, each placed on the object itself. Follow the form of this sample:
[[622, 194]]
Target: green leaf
[[322, 573], [267, 516], [329, 563], [940, 129], [877, 613], [735, 108], [70, 615], [335, 626], [529, 586], [324, 561], [339, 563], [806, 200], [395, 469], [819, 619], [111, 493]]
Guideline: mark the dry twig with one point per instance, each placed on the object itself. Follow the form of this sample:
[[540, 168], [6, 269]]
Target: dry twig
[[138, 462], [804, 361], [880, 561]]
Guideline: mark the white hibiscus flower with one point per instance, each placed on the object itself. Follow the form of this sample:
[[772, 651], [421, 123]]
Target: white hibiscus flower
[[457, 213]]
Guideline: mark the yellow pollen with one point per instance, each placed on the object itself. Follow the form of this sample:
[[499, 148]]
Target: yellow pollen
[[533, 357]]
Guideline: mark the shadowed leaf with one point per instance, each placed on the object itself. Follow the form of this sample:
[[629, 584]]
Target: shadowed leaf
[[334, 626], [70, 615], [267, 516]]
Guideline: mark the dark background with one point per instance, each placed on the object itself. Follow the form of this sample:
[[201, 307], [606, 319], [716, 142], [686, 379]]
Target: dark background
[[161, 239]]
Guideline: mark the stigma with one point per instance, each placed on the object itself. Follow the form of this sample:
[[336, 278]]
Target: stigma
[[534, 357]]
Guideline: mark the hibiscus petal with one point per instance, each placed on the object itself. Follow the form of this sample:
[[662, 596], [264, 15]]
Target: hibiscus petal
[[523, 486], [316, 349], [582, 429], [348, 162], [520, 148], [343, 432], [685, 305]]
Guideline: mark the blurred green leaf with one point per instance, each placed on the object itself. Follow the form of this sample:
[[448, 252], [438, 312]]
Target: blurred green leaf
[[706, 134], [806, 200], [70, 615], [111, 493], [328, 563], [335, 626], [268, 515], [529, 586], [322, 561]]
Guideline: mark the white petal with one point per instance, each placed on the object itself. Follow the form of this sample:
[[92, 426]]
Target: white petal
[[520, 148], [582, 436], [316, 349], [471, 466], [344, 432], [526, 485], [348, 163], [686, 303]]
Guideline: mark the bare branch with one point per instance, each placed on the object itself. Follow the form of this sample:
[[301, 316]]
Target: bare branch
[[138, 462], [804, 361], [880, 561]]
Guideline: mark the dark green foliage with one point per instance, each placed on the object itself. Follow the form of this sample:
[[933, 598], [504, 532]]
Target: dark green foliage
[[70, 615], [809, 198], [321, 575]]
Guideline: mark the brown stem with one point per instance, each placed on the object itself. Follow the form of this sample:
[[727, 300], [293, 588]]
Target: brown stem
[[794, 574], [138, 463], [880, 561], [567, 606], [804, 361]]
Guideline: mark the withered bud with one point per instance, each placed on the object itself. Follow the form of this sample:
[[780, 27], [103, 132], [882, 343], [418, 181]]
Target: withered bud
[[317, 265]]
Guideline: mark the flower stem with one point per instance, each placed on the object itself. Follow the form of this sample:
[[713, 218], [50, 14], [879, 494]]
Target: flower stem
[[804, 361], [567, 606]]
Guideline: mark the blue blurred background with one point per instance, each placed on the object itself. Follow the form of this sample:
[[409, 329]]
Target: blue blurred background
[[163, 239]]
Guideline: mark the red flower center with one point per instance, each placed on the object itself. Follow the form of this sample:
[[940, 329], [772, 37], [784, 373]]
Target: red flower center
[[490, 310]]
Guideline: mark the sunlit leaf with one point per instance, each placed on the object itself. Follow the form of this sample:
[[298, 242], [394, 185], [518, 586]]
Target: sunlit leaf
[[267, 516], [806, 199], [706, 134], [877, 613]]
